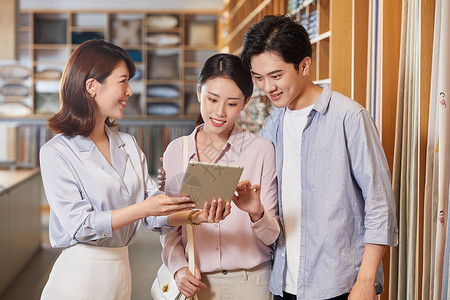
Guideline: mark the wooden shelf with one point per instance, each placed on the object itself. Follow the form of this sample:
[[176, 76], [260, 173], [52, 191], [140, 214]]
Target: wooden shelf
[[87, 23], [49, 46], [164, 81], [87, 29], [161, 100], [237, 17], [201, 47], [49, 63], [163, 30], [193, 64], [321, 37], [317, 24]]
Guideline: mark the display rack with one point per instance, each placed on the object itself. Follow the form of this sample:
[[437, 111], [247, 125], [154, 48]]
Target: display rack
[[238, 15], [167, 47]]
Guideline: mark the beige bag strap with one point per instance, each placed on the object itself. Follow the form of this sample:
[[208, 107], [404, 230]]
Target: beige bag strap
[[190, 233]]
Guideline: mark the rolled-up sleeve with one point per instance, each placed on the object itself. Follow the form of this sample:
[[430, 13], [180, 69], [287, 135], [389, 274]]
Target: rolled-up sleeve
[[267, 228], [156, 223], [371, 171]]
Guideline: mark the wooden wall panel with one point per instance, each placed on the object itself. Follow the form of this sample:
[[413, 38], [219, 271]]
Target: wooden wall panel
[[392, 13], [360, 40], [341, 46], [8, 29]]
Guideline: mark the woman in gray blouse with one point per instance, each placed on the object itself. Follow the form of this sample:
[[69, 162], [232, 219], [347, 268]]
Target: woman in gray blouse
[[96, 179]]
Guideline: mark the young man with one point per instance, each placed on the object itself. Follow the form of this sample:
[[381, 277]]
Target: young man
[[335, 197]]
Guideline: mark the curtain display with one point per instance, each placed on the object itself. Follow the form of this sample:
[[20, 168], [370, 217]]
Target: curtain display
[[443, 90], [431, 173], [373, 59], [402, 284]]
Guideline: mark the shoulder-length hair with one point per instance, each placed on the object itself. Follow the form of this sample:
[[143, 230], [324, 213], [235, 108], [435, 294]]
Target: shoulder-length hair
[[93, 59]]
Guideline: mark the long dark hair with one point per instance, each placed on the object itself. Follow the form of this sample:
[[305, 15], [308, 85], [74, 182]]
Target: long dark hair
[[280, 35], [92, 59]]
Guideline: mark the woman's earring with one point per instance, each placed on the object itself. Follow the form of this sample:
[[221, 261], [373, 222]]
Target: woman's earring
[[92, 94]]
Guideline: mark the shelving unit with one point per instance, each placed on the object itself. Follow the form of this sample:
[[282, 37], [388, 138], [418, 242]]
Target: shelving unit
[[339, 42], [338, 37], [315, 17], [235, 19], [168, 48], [238, 15]]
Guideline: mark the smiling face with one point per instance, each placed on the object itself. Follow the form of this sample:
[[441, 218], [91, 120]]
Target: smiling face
[[112, 94], [221, 102], [280, 81]]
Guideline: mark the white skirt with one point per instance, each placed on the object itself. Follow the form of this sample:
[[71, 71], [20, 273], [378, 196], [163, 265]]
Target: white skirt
[[90, 272]]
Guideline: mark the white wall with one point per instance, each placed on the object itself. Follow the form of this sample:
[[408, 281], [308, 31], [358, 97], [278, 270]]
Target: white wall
[[122, 4]]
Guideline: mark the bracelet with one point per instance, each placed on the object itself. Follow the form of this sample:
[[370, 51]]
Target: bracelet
[[190, 217]]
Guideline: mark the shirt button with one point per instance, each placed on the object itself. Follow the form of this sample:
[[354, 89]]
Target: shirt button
[[104, 234], [224, 272]]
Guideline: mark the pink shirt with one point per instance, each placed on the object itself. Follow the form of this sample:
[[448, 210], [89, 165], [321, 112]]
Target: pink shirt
[[236, 242]]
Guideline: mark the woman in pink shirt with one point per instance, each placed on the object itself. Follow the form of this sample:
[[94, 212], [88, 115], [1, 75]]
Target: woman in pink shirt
[[234, 256]]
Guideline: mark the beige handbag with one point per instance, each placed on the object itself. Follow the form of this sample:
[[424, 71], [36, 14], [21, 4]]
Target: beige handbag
[[164, 287]]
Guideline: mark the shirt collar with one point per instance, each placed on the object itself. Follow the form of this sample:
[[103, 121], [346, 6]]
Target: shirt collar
[[324, 99], [85, 143], [235, 141]]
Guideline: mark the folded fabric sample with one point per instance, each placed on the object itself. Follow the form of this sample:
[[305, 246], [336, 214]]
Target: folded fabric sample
[[46, 103], [14, 110], [161, 108], [50, 31], [162, 21], [126, 32], [192, 106], [163, 91], [137, 75], [133, 106], [14, 90], [202, 33], [14, 72], [163, 39], [48, 74], [81, 37], [163, 67]]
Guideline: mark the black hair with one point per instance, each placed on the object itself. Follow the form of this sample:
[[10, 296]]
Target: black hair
[[280, 35], [227, 66]]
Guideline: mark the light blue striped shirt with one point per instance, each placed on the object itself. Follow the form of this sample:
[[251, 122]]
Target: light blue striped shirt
[[347, 198]]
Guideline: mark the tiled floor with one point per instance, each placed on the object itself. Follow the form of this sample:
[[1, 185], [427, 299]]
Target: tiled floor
[[145, 259]]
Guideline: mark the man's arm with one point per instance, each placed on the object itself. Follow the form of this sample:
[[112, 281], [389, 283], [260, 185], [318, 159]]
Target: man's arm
[[364, 287]]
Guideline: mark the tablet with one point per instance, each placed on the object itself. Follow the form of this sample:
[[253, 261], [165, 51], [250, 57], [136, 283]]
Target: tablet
[[204, 181]]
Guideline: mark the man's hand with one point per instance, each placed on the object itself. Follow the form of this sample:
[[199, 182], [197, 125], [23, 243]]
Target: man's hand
[[188, 284], [364, 287], [363, 290]]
